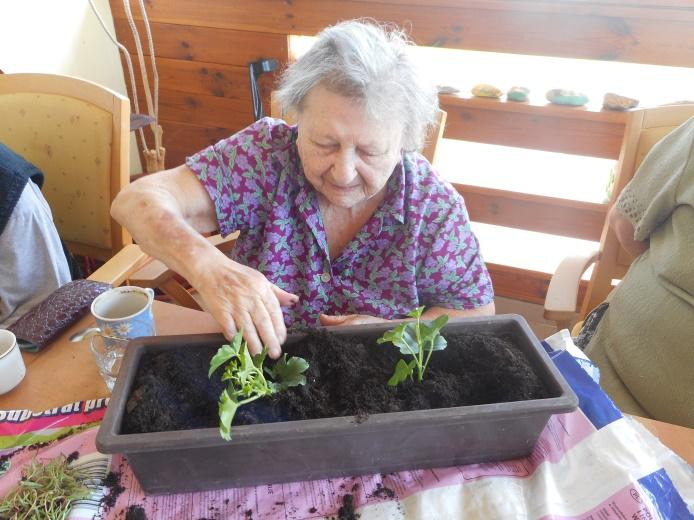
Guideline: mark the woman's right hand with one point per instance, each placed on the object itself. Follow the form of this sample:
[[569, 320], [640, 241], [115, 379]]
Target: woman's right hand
[[166, 213], [240, 297]]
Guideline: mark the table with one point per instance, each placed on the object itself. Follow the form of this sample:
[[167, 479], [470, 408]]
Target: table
[[65, 372]]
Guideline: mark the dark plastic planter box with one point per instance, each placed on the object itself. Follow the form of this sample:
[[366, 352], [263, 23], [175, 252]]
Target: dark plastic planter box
[[194, 460]]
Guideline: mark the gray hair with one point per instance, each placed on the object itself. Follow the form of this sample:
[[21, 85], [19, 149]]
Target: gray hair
[[363, 60]]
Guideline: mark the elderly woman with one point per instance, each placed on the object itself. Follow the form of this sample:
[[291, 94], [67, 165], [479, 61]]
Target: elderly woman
[[341, 221]]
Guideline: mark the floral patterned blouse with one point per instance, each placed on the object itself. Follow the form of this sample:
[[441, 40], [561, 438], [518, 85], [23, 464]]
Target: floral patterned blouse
[[416, 249]]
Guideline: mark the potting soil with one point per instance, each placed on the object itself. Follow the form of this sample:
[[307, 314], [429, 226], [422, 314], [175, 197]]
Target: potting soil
[[345, 377]]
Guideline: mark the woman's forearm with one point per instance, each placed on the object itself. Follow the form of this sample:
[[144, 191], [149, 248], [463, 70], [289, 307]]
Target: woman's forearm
[[162, 224], [624, 230]]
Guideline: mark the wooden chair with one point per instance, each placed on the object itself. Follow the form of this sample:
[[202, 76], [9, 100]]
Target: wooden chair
[[644, 128], [430, 147], [77, 133]]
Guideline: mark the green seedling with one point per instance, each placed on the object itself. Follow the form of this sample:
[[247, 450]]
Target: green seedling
[[247, 379], [417, 339], [46, 491]]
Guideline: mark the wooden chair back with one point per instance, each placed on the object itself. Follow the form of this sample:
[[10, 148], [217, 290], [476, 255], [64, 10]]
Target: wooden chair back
[[644, 128], [77, 133], [430, 147]]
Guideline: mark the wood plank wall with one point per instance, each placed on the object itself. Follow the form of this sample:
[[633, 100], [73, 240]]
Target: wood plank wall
[[203, 48]]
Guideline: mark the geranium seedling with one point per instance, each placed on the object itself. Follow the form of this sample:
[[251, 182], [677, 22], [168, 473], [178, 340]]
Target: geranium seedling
[[417, 339], [246, 377]]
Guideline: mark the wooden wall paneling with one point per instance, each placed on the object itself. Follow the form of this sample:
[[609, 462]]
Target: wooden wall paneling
[[184, 139], [570, 218], [203, 110], [208, 44], [210, 117], [541, 127], [212, 79], [588, 30]]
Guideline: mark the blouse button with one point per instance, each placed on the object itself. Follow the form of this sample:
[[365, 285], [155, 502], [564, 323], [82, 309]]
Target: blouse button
[[325, 277]]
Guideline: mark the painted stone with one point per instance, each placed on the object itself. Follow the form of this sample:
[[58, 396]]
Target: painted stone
[[518, 94], [446, 89], [613, 101], [486, 90], [560, 96]]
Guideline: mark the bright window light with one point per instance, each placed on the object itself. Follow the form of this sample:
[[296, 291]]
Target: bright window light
[[536, 172], [528, 249], [462, 69]]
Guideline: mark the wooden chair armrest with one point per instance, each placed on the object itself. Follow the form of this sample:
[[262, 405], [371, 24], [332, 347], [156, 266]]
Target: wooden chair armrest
[[562, 293], [118, 268]]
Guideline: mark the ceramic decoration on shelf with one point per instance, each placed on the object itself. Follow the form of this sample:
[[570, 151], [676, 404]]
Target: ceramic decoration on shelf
[[560, 96], [486, 90], [518, 94], [613, 101]]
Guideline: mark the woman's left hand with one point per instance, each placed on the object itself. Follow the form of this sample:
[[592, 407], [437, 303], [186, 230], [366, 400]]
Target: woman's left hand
[[349, 319]]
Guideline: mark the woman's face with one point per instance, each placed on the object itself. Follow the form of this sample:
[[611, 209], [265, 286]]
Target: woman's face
[[347, 156]]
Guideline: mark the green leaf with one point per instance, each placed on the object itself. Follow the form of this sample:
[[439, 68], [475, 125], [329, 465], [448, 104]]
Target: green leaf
[[224, 354], [247, 370], [259, 359], [439, 322], [403, 370], [227, 410], [246, 380], [289, 372], [427, 335], [416, 313], [429, 330], [404, 337], [440, 343]]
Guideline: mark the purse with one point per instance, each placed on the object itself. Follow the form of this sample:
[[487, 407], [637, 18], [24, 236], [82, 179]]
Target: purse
[[60, 309]]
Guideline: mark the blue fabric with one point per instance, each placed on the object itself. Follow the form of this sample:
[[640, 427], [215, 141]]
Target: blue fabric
[[15, 171]]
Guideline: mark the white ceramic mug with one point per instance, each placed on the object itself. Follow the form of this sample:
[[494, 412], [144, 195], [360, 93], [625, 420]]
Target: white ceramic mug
[[125, 312], [12, 368]]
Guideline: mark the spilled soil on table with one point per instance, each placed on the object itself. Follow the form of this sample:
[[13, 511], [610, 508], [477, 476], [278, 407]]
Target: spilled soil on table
[[346, 377]]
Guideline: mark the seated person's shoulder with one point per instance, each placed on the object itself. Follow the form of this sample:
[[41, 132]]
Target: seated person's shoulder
[[31, 204], [32, 260], [266, 133]]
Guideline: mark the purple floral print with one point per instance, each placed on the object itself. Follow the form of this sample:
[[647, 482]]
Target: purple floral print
[[416, 249]]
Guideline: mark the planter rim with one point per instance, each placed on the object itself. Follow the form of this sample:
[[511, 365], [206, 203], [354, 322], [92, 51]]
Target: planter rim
[[109, 440], [325, 427]]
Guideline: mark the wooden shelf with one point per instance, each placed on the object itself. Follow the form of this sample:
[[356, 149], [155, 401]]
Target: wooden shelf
[[591, 112]]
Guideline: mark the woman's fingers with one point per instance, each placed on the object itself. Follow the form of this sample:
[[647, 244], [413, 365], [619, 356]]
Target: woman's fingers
[[250, 334], [349, 319], [228, 325], [328, 320], [241, 298], [285, 298]]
